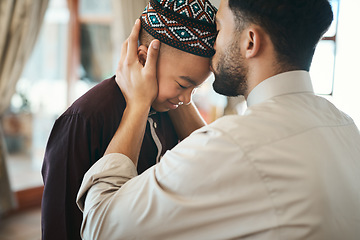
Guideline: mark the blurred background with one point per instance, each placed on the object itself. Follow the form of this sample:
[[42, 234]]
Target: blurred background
[[53, 51]]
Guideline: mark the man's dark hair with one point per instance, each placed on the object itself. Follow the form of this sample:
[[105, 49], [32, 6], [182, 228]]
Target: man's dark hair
[[294, 26]]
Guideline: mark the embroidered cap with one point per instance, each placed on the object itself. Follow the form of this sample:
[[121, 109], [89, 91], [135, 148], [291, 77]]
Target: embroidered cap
[[188, 25]]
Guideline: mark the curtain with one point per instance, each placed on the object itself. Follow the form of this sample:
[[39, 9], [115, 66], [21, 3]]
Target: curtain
[[125, 13], [20, 22]]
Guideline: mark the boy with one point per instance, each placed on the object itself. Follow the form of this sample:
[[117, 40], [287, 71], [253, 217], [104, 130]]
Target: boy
[[81, 135]]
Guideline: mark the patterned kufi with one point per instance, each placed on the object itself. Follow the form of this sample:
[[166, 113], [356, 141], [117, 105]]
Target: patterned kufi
[[188, 25]]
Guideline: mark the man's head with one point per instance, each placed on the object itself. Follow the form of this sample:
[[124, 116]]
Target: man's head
[[286, 30], [187, 32]]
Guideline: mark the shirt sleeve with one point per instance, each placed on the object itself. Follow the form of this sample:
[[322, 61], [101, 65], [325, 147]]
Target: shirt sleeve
[[105, 177], [188, 195]]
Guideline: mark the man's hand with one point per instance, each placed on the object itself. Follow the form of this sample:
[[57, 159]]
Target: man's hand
[[138, 83]]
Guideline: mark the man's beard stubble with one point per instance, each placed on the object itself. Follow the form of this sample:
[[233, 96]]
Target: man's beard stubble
[[231, 73]]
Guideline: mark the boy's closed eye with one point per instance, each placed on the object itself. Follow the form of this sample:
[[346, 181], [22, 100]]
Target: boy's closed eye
[[182, 86]]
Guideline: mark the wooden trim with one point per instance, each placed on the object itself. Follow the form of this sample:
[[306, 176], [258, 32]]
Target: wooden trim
[[73, 58], [27, 199], [89, 19], [332, 38]]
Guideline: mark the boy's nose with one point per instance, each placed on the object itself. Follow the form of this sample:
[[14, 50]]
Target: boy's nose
[[185, 98]]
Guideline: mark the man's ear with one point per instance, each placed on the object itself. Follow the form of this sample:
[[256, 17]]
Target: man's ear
[[142, 54], [252, 42]]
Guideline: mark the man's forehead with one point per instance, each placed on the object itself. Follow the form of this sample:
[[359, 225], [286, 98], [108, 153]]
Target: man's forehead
[[220, 12], [224, 14]]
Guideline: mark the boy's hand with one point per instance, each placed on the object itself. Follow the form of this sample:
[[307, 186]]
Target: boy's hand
[[138, 83]]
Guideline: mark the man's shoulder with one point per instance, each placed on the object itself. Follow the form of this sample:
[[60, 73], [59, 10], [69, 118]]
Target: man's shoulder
[[279, 118]]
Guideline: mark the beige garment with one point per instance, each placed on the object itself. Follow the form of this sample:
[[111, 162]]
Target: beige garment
[[288, 169], [20, 23]]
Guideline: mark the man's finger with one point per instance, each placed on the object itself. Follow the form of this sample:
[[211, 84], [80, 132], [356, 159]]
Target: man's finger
[[152, 56], [133, 42], [123, 51]]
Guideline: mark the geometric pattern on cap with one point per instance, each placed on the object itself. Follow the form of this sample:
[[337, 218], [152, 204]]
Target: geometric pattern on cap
[[188, 25]]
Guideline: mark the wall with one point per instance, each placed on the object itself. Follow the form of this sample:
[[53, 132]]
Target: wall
[[347, 78]]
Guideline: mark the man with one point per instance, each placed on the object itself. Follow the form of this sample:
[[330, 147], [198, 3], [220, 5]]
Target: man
[[288, 169], [81, 135]]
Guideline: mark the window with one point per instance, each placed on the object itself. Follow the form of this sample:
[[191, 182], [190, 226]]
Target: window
[[40, 98], [96, 52], [323, 65], [46, 87]]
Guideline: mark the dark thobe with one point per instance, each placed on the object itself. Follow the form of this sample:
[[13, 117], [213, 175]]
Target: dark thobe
[[78, 139]]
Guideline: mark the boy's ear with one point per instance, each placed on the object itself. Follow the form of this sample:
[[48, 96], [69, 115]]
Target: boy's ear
[[142, 54]]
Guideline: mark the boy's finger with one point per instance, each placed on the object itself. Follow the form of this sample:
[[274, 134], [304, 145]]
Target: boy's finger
[[133, 42], [152, 56]]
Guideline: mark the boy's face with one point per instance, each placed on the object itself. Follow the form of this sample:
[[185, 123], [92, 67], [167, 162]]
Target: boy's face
[[179, 73]]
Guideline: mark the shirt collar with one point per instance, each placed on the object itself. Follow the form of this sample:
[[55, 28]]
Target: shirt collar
[[151, 112], [281, 84]]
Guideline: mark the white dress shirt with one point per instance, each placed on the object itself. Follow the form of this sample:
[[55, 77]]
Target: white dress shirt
[[289, 168]]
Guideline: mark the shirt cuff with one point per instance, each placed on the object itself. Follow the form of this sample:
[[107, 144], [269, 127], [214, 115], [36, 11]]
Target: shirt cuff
[[112, 170]]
